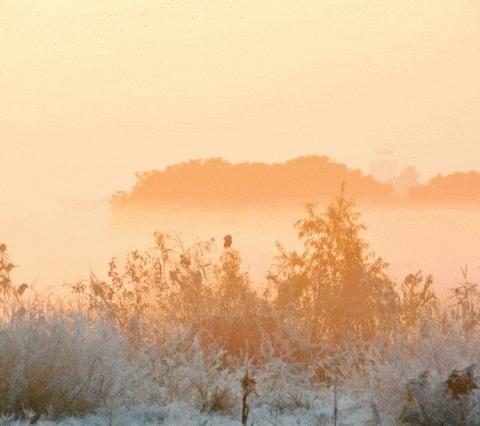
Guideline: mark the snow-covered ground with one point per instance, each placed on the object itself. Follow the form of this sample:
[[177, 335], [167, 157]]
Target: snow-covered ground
[[350, 412]]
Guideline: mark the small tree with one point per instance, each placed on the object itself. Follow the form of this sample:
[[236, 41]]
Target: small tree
[[336, 286]]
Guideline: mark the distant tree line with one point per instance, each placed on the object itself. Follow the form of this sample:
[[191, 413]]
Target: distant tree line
[[216, 183]]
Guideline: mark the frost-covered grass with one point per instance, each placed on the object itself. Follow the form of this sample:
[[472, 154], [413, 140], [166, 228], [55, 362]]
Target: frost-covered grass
[[60, 365], [64, 368]]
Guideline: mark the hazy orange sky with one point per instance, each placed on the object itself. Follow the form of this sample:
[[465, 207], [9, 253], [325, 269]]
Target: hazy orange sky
[[91, 91]]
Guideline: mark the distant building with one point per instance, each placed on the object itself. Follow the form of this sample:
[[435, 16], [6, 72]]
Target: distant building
[[384, 167], [407, 179]]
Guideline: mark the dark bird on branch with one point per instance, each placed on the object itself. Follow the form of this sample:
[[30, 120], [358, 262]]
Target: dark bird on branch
[[227, 241]]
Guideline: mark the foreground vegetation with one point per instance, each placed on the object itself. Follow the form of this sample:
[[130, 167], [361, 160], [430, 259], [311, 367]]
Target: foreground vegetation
[[168, 336]]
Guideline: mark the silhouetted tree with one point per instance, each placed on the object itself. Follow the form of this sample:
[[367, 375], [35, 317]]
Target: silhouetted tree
[[335, 286]]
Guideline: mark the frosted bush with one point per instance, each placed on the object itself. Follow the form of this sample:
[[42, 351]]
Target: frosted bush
[[59, 365], [428, 356], [284, 387], [186, 372]]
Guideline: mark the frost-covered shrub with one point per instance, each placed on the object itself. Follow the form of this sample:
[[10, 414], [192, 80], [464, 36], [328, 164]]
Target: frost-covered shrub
[[285, 387], [431, 354], [59, 365], [453, 401], [184, 371]]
